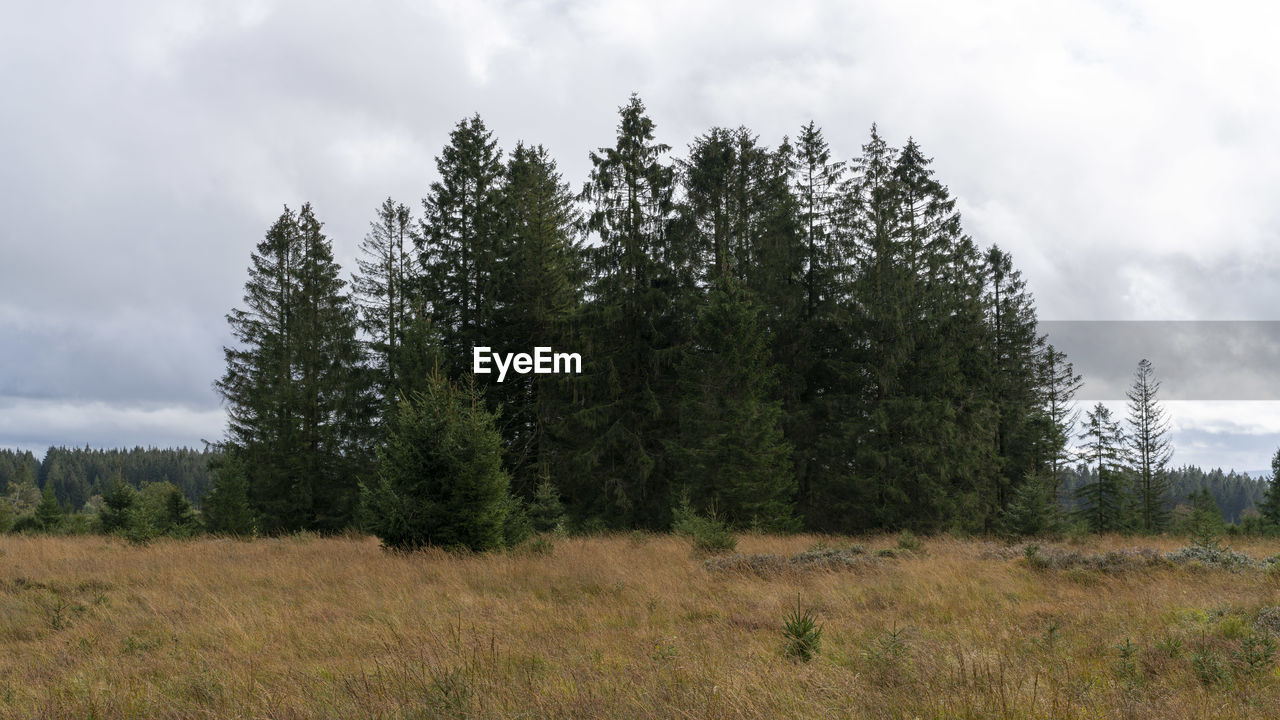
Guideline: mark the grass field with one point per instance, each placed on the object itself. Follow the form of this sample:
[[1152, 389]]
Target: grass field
[[626, 626]]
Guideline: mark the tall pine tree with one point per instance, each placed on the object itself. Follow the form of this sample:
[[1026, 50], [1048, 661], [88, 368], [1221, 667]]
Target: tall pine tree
[[385, 288], [1104, 501], [627, 412], [460, 240], [1149, 450], [298, 398]]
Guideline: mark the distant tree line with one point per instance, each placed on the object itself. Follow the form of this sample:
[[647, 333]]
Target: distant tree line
[[72, 489]]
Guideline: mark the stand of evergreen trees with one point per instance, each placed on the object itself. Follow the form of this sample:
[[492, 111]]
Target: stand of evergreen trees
[[775, 335], [785, 338]]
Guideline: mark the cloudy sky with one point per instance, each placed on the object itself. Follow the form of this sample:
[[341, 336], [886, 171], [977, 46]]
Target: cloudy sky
[[1123, 152]]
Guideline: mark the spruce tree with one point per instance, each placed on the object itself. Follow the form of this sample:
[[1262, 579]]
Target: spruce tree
[[460, 240], [814, 387], [384, 288], [1059, 384], [49, 515], [440, 478], [539, 294], [730, 455], [225, 509], [631, 326], [1016, 349], [1103, 502], [117, 506], [1149, 449], [1270, 506], [298, 398]]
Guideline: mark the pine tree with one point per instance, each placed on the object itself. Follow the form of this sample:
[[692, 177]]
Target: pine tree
[[1016, 348], [632, 324], [730, 455], [226, 508], [1104, 500], [118, 505], [546, 512], [814, 386], [440, 479], [1149, 449], [539, 293], [1059, 384], [298, 399], [459, 244], [49, 515], [1032, 508], [1270, 506], [384, 288]]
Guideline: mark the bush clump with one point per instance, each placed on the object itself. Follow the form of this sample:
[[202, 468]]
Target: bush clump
[[709, 533]]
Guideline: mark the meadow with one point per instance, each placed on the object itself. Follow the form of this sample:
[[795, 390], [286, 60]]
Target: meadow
[[631, 626]]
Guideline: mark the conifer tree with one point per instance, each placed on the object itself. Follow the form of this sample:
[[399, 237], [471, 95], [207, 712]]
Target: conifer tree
[[539, 295], [626, 413], [49, 515], [225, 509], [118, 504], [298, 398], [459, 243], [1270, 506], [815, 371], [730, 455], [1016, 348], [1059, 383], [385, 287], [1104, 500], [440, 478], [1149, 449]]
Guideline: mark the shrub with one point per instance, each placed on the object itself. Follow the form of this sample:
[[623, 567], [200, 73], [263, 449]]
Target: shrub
[[708, 533], [440, 478], [545, 510], [1256, 653], [1208, 667], [909, 542], [802, 633]]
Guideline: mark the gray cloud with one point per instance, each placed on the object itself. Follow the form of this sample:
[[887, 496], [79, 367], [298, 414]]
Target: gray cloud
[[1113, 148]]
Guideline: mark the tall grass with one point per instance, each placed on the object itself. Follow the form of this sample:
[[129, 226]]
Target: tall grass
[[618, 626]]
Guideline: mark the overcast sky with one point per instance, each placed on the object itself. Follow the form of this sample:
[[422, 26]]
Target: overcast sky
[[1123, 152]]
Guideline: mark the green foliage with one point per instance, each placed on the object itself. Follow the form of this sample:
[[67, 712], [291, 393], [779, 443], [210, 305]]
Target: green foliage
[[1269, 508], [1257, 653], [802, 633], [730, 452], [48, 514], [631, 327], [7, 516], [1104, 500], [1209, 667], [708, 532], [440, 479], [1149, 450], [1204, 525], [299, 401], [909, 542], [226, 508], [546, 512], [118, 507], [1032, 511]]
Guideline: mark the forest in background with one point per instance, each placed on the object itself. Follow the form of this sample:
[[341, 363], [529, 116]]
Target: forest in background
[[774, 337]]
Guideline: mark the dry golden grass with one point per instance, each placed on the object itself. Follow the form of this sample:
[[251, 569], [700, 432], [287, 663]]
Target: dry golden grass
[[624, 626]]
